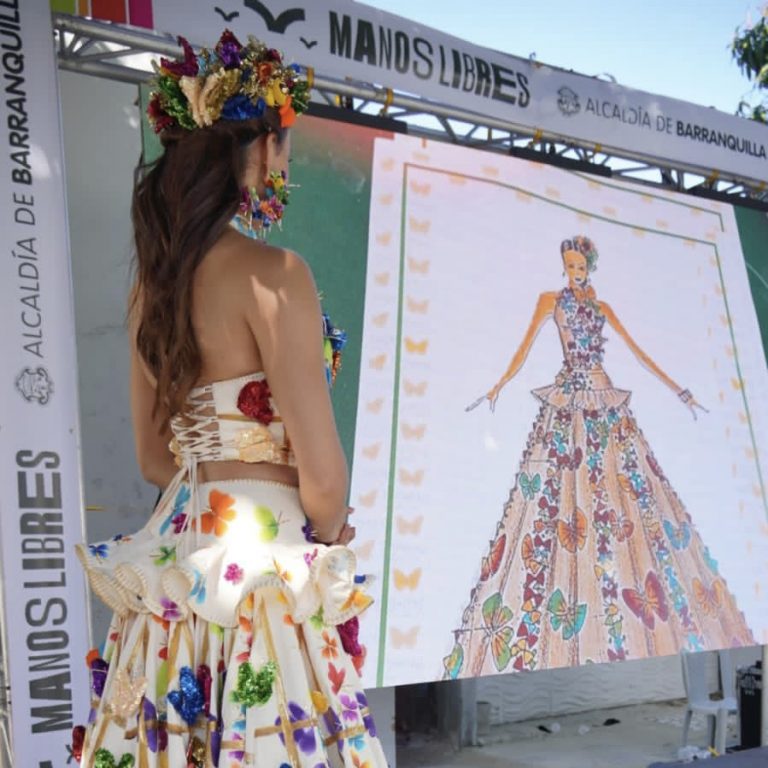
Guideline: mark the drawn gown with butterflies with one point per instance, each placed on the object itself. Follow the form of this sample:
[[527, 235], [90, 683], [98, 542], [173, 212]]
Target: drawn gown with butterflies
[[595, 557]]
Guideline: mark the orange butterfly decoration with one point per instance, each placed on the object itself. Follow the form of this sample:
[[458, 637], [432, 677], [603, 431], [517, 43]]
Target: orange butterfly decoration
[[490, 564], [411, 478], [407, 638], [420, 189], [644, 604], [710, 600], [621, 526], [358, 761], [330, 648], [573, 535], [368, 499], [417, 307], [382, 278], [406, 580], [378, 362], [384, 237], [529, 557], [413, 433], [413, 389], [416, 347], [363, 551], [220, 514], [417, 266], [409, 526], [626, 486], [374, 406], [371, 451]]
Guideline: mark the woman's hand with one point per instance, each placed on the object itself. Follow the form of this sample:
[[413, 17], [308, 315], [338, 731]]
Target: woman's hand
[[690, 402], [344, 536], [493, 396]]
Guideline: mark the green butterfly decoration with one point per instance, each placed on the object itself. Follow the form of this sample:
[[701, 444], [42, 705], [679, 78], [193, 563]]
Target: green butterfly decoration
[[161, 680], [497, 616], [316, 619], [569, 617], [105, 759], [164, 555], [530, 485], [268, 522], [254, 687]]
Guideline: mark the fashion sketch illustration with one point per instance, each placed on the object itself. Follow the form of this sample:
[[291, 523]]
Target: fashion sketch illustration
[[595, 557]]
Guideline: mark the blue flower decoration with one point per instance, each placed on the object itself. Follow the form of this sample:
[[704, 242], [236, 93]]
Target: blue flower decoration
[[188, 701], [240, 107]]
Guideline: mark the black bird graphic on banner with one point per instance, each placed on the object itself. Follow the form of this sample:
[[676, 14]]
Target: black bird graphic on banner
[[276, 24], [227, 16], [308, 43]]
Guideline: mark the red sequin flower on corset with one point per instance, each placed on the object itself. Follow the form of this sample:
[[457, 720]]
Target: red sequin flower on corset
[[253, 401]]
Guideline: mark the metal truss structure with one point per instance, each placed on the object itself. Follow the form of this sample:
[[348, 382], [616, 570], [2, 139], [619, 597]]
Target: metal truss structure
[[123, 53]]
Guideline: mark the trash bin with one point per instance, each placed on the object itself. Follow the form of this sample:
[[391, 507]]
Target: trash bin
[[749, 684]]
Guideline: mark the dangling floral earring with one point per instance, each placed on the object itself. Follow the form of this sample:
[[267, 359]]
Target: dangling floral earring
[[255, 215]]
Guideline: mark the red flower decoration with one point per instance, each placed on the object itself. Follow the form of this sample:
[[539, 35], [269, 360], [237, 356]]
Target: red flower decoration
[[78, 737], [253, 401], [187, 66], [348, 632]]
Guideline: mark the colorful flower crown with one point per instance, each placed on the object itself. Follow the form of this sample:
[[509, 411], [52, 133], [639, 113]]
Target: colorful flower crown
[[231, 82]]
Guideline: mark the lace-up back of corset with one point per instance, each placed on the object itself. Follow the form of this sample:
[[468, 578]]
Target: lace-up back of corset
[[231, 420]]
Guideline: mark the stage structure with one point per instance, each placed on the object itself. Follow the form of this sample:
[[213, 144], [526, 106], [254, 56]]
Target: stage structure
[[107, 50], [493, 102]]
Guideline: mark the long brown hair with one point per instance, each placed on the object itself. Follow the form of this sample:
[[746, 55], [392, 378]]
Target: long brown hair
[[182, 203]]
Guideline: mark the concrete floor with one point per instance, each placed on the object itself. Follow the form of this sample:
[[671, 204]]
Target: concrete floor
[[645, 734]]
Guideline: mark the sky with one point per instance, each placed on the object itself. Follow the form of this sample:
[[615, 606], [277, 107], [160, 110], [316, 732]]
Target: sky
[[677, 48]]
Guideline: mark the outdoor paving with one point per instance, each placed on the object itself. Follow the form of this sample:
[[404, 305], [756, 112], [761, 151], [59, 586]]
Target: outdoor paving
[[645, 734]]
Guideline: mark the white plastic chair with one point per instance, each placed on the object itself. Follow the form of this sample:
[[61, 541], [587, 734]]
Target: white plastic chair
[[695, 681]]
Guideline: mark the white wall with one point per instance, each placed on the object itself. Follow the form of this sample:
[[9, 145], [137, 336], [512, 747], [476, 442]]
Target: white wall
[[102, 144], [553, 692]]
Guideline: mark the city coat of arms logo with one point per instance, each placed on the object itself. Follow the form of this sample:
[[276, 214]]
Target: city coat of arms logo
[[34, 384]]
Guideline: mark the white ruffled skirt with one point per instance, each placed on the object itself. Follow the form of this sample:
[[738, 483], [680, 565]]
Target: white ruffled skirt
[[233, 641]]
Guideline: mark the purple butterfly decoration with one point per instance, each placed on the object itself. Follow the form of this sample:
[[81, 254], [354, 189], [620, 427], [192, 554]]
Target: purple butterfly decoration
[[303, 737], [99, 669], [349, 707], [171, 610], [157, 735], [370, 726]]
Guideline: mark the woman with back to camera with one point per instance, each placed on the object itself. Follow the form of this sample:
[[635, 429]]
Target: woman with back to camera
[[595, 557], [234, 637]]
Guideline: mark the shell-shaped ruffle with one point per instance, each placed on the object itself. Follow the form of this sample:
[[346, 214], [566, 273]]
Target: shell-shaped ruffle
[[244, 535], [582, 399]]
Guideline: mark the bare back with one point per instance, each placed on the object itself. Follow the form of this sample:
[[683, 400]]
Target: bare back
[[223, 305]]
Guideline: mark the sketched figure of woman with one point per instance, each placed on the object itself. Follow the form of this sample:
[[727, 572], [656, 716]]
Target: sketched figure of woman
[[595, 557]]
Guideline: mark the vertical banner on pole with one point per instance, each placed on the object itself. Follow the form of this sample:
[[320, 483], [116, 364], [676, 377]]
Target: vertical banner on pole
[[40, 496]]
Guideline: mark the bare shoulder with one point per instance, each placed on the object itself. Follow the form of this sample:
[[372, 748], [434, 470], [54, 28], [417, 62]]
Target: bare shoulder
[[547, 300], [256, 266], [606, 308]]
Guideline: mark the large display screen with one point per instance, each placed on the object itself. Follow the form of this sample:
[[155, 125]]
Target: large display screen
[[613, 504]]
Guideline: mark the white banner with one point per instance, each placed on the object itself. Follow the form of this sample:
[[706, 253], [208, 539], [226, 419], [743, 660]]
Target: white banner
[[40, 506], [341, 38]]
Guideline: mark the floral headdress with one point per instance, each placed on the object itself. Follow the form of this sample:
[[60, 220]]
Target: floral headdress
[[230, 82], [585, 247]]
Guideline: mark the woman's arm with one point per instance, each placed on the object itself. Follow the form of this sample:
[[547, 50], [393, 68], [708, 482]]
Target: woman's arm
[[285, 317], [545, 306], [151, 434], [644, 359]]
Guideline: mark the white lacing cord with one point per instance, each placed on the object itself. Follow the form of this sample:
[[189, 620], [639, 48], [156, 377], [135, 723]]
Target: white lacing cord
[[198, 438]]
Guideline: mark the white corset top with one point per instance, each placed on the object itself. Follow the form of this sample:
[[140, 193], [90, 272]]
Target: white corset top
[[231, 420]]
